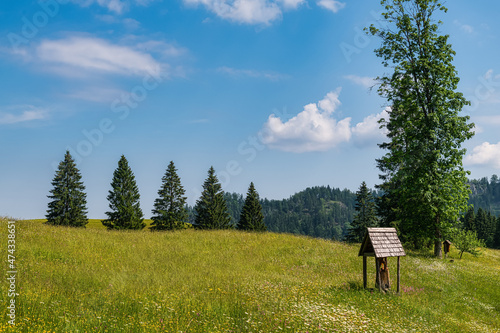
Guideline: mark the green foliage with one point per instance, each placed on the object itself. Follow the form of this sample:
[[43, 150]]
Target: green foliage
[[469, 219], [211, 209], [422, 169], [496, 243], [68, 205], [251, 218], [365, 217], [319, 211], [466, 241], [169, 208], [485, 226], [123, 200]]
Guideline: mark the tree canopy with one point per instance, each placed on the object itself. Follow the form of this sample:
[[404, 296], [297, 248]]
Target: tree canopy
[[251, 218], [366, 214], [69, 201], [211, 208], [170, 207], [423, 177], [123, 200]]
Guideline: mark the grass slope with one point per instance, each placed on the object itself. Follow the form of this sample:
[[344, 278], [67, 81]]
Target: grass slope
[[93, 280]]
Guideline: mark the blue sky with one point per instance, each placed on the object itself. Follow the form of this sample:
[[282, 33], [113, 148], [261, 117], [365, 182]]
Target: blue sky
[[270, 91]]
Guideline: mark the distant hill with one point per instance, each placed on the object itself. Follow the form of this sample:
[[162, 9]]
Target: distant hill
[[327, 212], [486, 194]]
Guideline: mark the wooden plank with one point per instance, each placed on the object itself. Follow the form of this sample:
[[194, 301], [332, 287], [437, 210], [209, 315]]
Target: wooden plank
[[364, 272], [377, 267], [397, 288]]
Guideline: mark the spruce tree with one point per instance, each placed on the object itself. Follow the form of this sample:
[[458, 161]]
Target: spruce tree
[[366, 214], [251, 217], [211, 208], [469, 219], [169, 208], [68, 205], [124, 200], [497, 234]]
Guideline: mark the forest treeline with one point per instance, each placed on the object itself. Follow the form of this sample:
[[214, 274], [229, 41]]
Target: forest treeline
[[327, 212]]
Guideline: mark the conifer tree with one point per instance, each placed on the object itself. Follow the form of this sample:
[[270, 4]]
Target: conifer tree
[[124, 200], [251, 217], [366, 214], [169, 208], [211, 208], [469, 219], [68, 205]]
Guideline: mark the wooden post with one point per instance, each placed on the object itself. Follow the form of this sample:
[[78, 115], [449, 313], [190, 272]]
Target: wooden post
[[377, 267], [398, 289], [364, 271]]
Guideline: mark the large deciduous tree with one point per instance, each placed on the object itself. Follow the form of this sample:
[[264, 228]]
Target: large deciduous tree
[[422, 172], [170, 206], [251, 217], [366, 215], [211, 208], [69, 204], [123, 200]]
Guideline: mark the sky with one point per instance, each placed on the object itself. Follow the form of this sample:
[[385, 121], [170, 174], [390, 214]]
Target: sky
[[275, 92]]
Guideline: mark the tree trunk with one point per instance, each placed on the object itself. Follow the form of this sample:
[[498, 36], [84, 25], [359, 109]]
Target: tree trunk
[[438, 253], [437, 249]]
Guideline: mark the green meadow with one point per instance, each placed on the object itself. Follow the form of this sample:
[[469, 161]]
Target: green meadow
[[94, 280]]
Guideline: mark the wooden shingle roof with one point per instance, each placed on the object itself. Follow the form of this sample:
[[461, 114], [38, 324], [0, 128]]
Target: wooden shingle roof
[[381, 243]]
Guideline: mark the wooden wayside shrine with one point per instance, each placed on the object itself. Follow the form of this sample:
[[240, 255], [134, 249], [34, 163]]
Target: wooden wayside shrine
[[381, 243]]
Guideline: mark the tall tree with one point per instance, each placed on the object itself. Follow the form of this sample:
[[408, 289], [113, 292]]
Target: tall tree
[[211, 208], [424, 127], [365, 214], [485, 227], [170, 207], [251, 217], [123, 200], [69, 201]]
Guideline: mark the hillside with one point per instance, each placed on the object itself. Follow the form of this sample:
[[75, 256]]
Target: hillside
[[227, 281], [327, 212]]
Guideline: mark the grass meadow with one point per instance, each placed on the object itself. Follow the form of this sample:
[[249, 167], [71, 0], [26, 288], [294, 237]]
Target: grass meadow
[[94, 280]]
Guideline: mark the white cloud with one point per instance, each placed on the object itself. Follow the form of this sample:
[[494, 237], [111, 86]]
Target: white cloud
[[332, 5], [97, 94], [368, 131], [291, 4], [242, 11], [250, 73], [464, 27], [21, 114], [313, 129], [363, 81], [78, 55], [485, 154], [115, 6]]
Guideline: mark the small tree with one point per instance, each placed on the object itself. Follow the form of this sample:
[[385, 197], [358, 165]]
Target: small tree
[[211, 208], [366, 214], [169, 208], [68, 205], [251, 217], [123, 200], [466, 241]]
